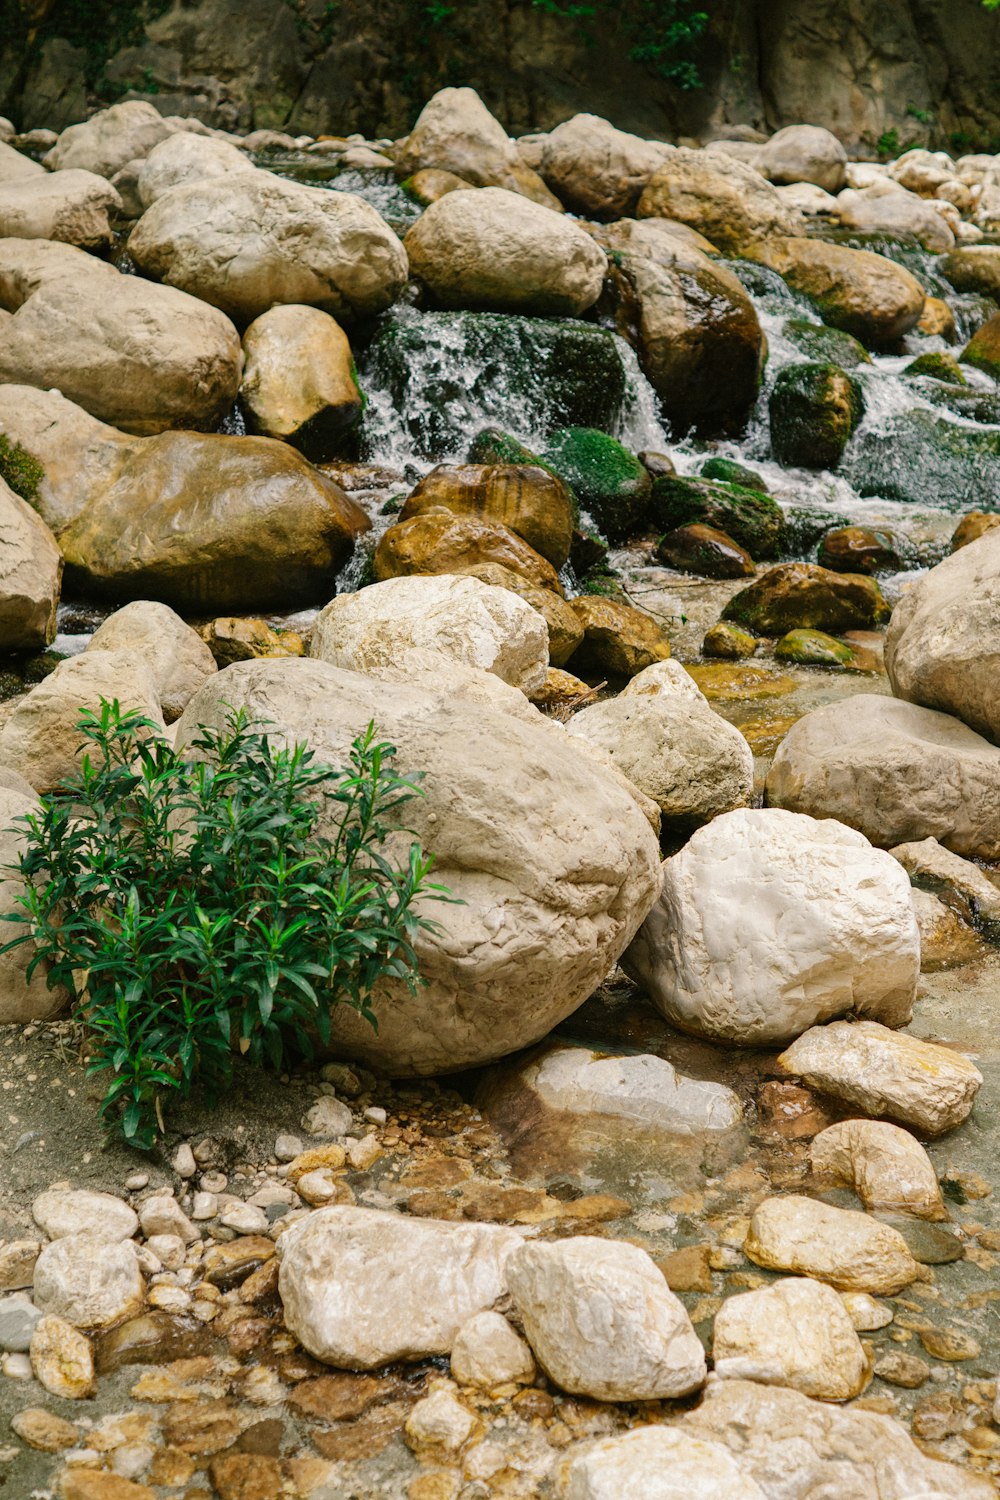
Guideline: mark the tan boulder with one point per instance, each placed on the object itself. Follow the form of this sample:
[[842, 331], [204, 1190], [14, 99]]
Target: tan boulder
[[805, 153], [618, 639], [30, 575], [794, 1333], [231, 638], [724, 199], [109, 139], [72, 207], [596, 170], [887, 1167], [898, 213], [16, 167], [971, 527], [176, 655], [565, 630], [848, 1250], [526, 498], [487, 1352], [455, 132], [183, 158], [453, 681], [657, 1463], [438, 541], [21, 999], [860, 293], [89, 1281], [299, 382], [79, 455]]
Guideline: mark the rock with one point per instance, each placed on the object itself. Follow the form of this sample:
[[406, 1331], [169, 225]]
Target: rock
[[437, 541], [328, 1117], [162, 1214], [40, 738], [602, 1321], [860, 293], [565, 629], [794, 1333], [814, 408], [460, 618], [828, 345], [983, 349], [450, 681], [803, 596], [618, 639], [658, 1463], [77, 453], [859, 549], [299, 382], [901, 1369], [494, 249], [61, 1212], [752, 519], [805, 153], [344, 1299], [946, 942], [865, 1313], [673, 746], [18, 1317], [184, 158], [609, 482], [213, 522], [720, 960], [551, 857], [487, 1352], [141, 357], [724, 199], [428, 184], [789, 1443], [596, 170], [61, 1359], [225, 241], [109, 139], [895, 213], [728, 642], [705, 551], [887, 1168], [884, 1072], [959, 883], [816, 649], [455, 132], [439, 1423], [30, 576], [971, 527], [287, 1147], [527, 498], [16, 167], [17, 1264], [43, 1430], [938, 320], [895, 772], [974, 268], [176, 655], [72, 207], [233, 639], [939, 650], [848, 1250], [88, 1281]]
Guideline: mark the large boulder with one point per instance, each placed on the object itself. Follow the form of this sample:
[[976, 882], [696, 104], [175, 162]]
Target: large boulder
[[768, 922], [610, 484], [88, 1280], [457, 617], [245, 241], [176, 655], [974, 268], [437, 540], [299, 381], [210, 522], [797, 596], [109, 139], [529, 499], [493, 249], [814, 408], [184, 158], [805, 153], [16, 167], [860, 293], [30, 574], [142, 357], [897, 214], [79, 455], [346, 1301], [618, 639], [726, 200], [455, 132], [795, 1333], [893, 771], [71, 206], [941, 650], [21, 999], [751, 518], [553, 862], [596, 170]]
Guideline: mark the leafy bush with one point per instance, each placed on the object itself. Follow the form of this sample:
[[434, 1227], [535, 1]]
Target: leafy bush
[[195, 908], [20, 469]]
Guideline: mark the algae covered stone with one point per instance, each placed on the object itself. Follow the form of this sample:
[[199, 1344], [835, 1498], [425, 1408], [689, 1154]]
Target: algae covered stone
[[797, 596], [814, 408], [814, 648], [751, 518], [608, 481]]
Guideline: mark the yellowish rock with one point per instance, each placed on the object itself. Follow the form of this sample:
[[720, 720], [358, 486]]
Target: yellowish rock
[[849, 1250], [61, 1359]]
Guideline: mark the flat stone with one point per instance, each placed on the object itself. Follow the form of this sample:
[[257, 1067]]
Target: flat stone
[[17, 1264], [43, 1430], [949, 1344], [906, 1370], [849, 1250], [62, 1212], [18, 1317], [865, 1313]]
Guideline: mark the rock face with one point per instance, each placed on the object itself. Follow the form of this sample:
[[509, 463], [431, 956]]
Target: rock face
[[184, 158], [20, 1000], [794, 1333], [805, 153], [204, 521], [141, 357], [494, 249], [724, 199], [801, 595], [346, 1302], [602, 1321], [847, 1250], [863, 294], [527, 498], [298, 380], [894, 771], [245, 241], [885, 1072], [455, 132], [175, 654], [596, 170], [552, 858], [887, 1168], [658, 1463], [109, 139], [88, 1281], [72, 207], [30, 575], [768, 922], [673, 745], [456, 617], [941, 649]]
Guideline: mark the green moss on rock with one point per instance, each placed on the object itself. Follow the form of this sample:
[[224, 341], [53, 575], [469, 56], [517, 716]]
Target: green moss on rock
[[19, 469], [814, 648], [727, 471], [608, 481], [814, 408], [937, 365], [829, 345], [749, 517], [797, 596]]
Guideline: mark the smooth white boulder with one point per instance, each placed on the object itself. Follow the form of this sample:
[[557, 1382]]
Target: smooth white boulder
[[88, 1281], [109, 139], [887, 1167], [176, 655], [848, 1250], [597, 170], [805, 153], [769, 921], [299, 381], [63, 1211], [16, 167], [795, 1333], [455, 132], [658, 1463], [185, 158]]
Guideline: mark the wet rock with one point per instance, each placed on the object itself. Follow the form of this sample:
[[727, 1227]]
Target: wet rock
[[971, 527], [438, 541], [185, 158], [602, 1322], [752, 519], [938, 320], [930, 1244], [718, 961], [346, 1302], [974, 268], [71, 207], [703, 550], [814, 408], [243, 1476], [233, 639], [983, 349], [906, 1370], [609, 482], [299, 382], [228, 1265], [795, 1333], [618, 639], [926, 457], [63, 1211], [958, 882], [814, 648], [848, 1250], [728, 642], [88, 1281], [896, 772], [61, 1359], [859, 549], [886, 1167], [724, 199], [455, 132], [860, 293], [802, 595], [939, 650], [658, 1463], [439, 1423], [176, 655], [946, 942], [224, 241], [596, 170], [487, 1352], [805, 153], [530, 501], [456, 617], [818, 342], [885, 1072]]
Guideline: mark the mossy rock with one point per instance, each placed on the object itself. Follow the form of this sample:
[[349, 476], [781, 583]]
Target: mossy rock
[[829, 345], [20, 470], [983, 349], [922, 457], [36, 668], [752, 519], [963, 400], [728, 471], [705, 551], [814, 408], [814, 648], [805, 527], [588, 553], [801, 596], [860, 549], [608, 481], [727, 642], [937, 365], [494, 446]]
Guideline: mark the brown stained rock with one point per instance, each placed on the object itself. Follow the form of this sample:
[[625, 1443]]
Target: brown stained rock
[[688, 1269], [62, 1359], [949, 1343], [797, 596], [202, 1428], [433, 1203], [17, 1264], [364, 1438], [971, 527], [261, 1285], [531, 501], [437, 1172], [336, 1398], [43, 1430], [595, 1208], [618, 639], [859, 549], [170, 1467], [226, 1265], [489, 1203], [246, 1476], [790, 1111], [706, 551], [232, 638], [332, 1156], [438, 541], [902, 1369], [939, 1416]]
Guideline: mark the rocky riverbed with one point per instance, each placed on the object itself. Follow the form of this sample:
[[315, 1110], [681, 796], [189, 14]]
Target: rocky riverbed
[[645, 497]]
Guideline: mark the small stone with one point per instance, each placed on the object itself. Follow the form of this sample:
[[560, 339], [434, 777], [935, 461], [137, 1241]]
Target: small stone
[[132, 1460], [184, 1163], [16, 1366], [164, 1215], [246, 1476], [287, 1147], [204, 1206], [439, 1422], [213, 1182], [169, 1250], [343, 1078], [949, 1343], [332, 1156], [137, 1182], [317, 1187], [43, 1430], [225, 1266], [688, 1269], [364, 1153], [865, 1313], [61, 1359], [17, 1264], [487, 1352], [376, 1115], [90, 1484], [328, 1117], [18, 1317], [169, 1298], [940, 1416], [245, 1219], [102, 1215], [850, 1251], [902, 1369]]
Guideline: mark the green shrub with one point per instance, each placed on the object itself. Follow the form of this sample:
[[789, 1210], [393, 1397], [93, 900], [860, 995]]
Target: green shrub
[[20, 469], [196, 909]]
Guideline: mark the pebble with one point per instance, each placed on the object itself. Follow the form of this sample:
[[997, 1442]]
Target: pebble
[[137, 1182], [213, 1182], [245, 1219], [439, 1422], [317, 1187], [949, 1343], [164, 1215], [169, 1298], [17, 1264], [43, 1430], [287, 1147], [902, 1369], [376, 1115], [364, 1153], [865, 1312], [16, 1366], [169, 1250], [328, 1117], [184, 1163], [18, 1317], [204, 1206]]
